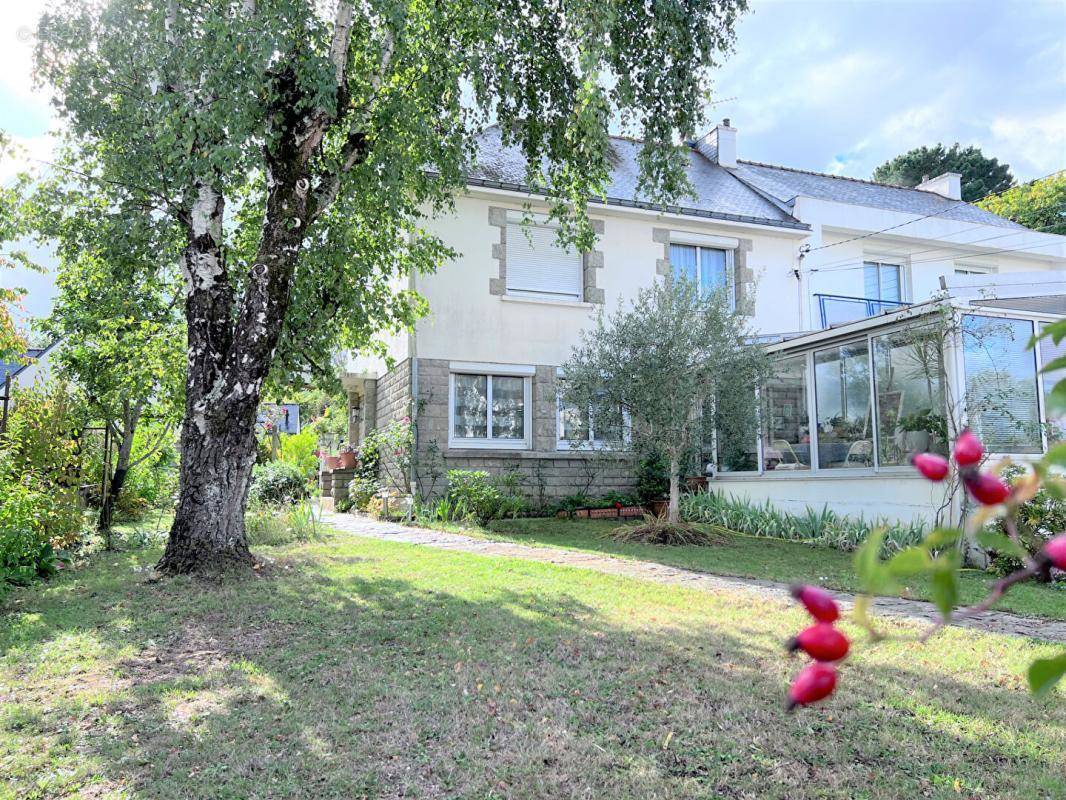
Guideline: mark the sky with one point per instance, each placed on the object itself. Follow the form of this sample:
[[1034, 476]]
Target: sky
[[825, 85]]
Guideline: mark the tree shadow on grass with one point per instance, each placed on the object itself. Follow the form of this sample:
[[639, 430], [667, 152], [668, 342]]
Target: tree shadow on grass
[[377, 670]]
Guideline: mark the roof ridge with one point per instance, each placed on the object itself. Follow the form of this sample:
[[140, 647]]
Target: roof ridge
[[867, 181]]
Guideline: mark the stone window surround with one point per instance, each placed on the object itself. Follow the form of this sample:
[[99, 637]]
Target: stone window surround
[[743, 275], [591, 261]]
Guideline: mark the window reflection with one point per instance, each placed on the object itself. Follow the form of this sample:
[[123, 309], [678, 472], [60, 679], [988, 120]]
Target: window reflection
[[786, 433], [1001, 395], [842, 396], [908, 373]]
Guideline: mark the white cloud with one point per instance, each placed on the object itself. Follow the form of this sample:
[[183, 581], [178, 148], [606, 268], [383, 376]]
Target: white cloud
[[16, 47], [1038, 143]]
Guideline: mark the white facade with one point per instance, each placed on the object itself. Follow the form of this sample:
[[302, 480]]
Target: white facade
[[825, 248]]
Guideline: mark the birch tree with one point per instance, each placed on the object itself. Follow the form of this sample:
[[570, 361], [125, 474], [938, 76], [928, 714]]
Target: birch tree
[[295, 145]]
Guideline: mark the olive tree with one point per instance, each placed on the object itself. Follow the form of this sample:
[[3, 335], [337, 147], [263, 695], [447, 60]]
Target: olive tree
[[663, 360], [294, 146]]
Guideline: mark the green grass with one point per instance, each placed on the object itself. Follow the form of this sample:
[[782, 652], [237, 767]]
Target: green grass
[[765, 558], [353, 668]]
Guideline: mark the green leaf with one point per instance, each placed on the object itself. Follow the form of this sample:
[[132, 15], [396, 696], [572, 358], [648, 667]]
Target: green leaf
[[872, 573], [912, 561], [1044, 673], [940, 538], [1056, 398], [945, 591], [1056, 456], [1001, 543]]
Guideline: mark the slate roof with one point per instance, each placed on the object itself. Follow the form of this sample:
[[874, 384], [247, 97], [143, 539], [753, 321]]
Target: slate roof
[[785, 184], [752, 192], [12, 368], [720, 195]]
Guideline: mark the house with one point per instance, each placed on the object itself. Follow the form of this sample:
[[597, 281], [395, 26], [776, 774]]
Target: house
[[836, 267]]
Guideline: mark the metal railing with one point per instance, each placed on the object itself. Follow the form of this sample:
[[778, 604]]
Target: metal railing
[[836, 309]]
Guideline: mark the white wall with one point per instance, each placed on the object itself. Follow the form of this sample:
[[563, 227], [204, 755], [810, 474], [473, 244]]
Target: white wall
[[898, 496], [927, 249], [467, 322]]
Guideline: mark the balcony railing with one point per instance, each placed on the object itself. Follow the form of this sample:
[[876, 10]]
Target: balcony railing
[[836, 309]]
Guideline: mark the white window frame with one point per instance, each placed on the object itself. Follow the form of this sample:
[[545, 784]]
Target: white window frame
[[518, 221], [720, 243], [592, 443], [879, 262], [490, 371]]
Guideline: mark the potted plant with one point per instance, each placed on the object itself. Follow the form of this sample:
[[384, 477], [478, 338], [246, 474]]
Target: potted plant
[[346, 458]]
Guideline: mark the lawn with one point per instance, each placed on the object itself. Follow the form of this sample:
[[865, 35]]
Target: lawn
[[353, 668], [760, 557]]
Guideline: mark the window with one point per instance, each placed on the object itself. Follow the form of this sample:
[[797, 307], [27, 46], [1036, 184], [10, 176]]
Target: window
[[1049, 351], [489, 410], [908, 376], [969, 269], [842, 400], [786, 424], [709, 267], [589, 427], [1001, 389], [882, 281], [538, 267]]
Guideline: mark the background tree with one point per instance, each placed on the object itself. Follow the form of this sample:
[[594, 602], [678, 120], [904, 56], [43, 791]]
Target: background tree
[[123, 349], [660, 362], [981, 175], [1039, 205], [294, 146], [12, 340]]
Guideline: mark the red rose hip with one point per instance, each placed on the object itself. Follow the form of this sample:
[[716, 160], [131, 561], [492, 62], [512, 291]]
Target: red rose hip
[[814, 682], [821, 641], [968, 449], [932, 466], [818, 602], [1056, 550], [987, 489]]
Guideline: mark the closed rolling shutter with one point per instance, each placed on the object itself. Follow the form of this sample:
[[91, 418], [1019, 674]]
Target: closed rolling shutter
[[538, 267]]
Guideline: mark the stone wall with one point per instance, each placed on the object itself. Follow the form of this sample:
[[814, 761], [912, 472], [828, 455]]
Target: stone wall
[[393, 394], [546, 474]]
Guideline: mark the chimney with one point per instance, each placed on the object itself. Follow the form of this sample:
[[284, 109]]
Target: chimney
[[720, 145], [948, 185]]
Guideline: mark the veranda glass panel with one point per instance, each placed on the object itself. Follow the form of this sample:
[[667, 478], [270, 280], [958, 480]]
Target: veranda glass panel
[[786, 425], [842, 398], [508, 407], [471, 407], [1001, 394], [737, 425], [908, 375], [1049, 351]]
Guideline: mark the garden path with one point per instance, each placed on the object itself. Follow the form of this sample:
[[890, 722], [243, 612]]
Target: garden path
[[897, 607]]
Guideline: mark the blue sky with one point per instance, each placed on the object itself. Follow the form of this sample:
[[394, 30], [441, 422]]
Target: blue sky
[[825, 85]]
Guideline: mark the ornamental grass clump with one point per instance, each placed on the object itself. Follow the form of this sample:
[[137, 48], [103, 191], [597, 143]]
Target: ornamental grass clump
[[659, 530]]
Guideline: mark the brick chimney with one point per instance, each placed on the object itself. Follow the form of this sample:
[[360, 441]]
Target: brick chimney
[[720, 145], [948, 185]]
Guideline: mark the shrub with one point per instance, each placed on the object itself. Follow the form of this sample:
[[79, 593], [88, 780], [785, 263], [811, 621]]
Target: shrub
[[277, 483], [34, 525], [653, 482], [361, 490], [823, 527], [475, 495], [1036, 520], [299, 449]]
